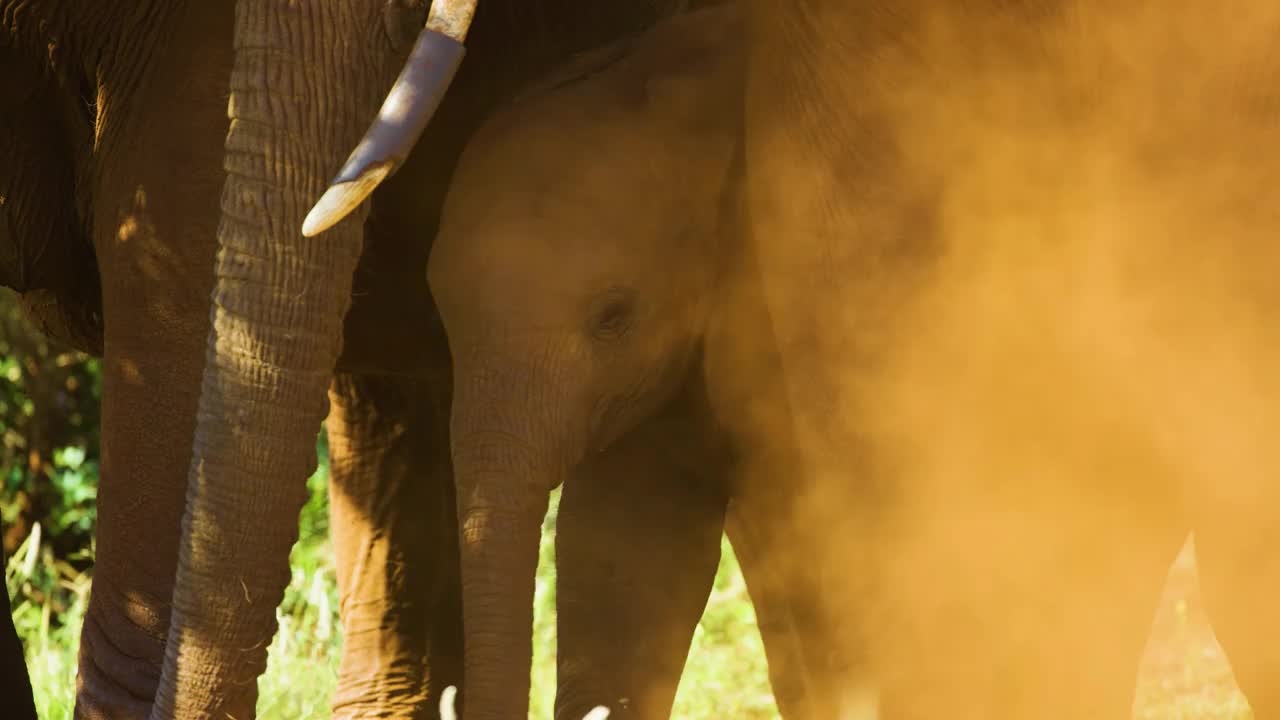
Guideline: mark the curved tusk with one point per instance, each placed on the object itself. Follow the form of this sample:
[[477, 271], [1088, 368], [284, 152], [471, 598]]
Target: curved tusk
[[448, 706], [599, 712], [412, 101]]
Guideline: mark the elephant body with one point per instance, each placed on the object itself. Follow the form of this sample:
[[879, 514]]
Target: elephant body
[[607, 331], [116, 123], [107, 242]]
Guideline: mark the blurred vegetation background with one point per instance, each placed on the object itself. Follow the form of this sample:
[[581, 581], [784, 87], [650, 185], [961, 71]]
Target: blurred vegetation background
[[49, 400]]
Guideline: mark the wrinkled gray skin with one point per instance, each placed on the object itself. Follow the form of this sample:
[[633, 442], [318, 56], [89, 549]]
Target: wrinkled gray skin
[[604, 332], [92, 233]]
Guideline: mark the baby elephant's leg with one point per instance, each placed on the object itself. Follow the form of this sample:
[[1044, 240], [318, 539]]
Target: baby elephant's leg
[[637, 547]]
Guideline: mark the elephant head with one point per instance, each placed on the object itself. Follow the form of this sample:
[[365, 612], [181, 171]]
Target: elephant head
[[305, 76], [575, 268]]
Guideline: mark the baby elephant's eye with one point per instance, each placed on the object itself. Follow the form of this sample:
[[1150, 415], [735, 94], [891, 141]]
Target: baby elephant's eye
[[614, 313]]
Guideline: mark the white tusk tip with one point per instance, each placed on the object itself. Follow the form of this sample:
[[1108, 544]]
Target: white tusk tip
[[341, 199], [448, 709], [599, 712]]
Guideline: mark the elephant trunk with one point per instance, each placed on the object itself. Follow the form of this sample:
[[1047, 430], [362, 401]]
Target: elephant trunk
[[507, 458], [278, 307]]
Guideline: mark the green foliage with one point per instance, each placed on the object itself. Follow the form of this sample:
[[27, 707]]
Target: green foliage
[[49, 601], [49, 406]]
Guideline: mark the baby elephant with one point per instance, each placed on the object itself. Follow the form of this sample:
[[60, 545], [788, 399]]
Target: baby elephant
[[589, 281]]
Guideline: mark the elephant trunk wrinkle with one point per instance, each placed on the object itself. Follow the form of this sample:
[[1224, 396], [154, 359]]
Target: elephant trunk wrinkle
[[278, 307]]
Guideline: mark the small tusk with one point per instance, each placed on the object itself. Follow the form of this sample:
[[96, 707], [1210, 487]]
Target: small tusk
[[404, 114], [599, 712], [448, 709]]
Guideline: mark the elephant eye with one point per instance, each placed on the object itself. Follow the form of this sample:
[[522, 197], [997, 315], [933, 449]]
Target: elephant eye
[[614, 314]]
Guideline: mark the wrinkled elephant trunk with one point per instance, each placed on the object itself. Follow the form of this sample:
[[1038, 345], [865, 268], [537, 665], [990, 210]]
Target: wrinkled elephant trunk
[[505, 466], [277, 307]]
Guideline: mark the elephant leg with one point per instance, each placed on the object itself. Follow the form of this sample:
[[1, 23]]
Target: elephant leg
[[809, 674], [395, 541], [637, 547], [15, 685], [157, 178]]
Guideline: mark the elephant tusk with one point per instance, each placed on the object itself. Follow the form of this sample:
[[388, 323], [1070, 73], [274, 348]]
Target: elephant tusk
[[449, 709], [448, 700], [408, 108]]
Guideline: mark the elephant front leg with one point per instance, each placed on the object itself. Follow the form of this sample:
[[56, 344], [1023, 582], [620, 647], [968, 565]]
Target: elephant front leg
[[637, 546], [811, 674], [155, 216], [394, 536], [15, 686]]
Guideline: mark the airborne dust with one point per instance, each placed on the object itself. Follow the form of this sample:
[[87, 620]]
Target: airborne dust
[[1015, 422]]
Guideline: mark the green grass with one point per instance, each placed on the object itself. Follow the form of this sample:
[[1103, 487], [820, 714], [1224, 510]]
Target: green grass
[[1183, 677]]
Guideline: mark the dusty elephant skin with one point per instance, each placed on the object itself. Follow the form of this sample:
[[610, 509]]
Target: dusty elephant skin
[[637, 546], [983, 226], [569, 322], [601, 322], [897, 163]]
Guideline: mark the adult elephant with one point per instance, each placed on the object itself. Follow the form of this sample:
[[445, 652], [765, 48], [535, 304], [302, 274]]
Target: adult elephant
[[104, 246]]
